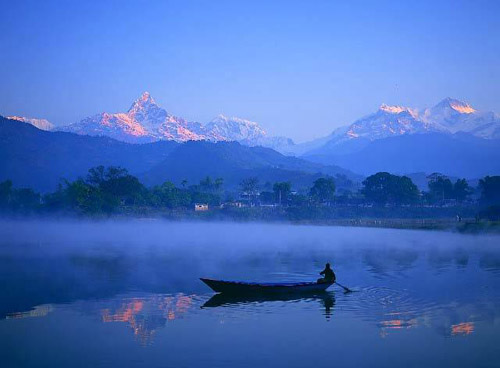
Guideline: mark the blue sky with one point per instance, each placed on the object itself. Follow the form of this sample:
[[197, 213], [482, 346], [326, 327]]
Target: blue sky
[[299, 68]]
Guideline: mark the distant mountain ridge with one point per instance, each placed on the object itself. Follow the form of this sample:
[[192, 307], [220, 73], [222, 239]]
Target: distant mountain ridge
[[40, 159], [447, 117], [459, 154], [146, 122], [42, 124]]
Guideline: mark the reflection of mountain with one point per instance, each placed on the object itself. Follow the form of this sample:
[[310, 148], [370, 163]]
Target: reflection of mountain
[[146, 315], [447, 319], [464, 328], [397, 321], [38, 311]]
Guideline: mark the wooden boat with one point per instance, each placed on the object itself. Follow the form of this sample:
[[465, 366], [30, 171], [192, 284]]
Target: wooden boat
[[242, 287]]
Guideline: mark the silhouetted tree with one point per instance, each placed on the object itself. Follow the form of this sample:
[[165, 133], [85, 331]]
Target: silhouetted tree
[[323, 190], [267, 197], [440, 187], [206, 184], [218, 184], [281, 191], [461, 190], [249, 187], [167, 195], [25, 200], [490, 189], [5, 194], [383, 188]]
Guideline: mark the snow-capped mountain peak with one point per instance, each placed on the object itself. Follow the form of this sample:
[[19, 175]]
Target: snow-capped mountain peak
[[455, 105], [146, 121], [395, 109], [392, 109], [42, 124], [458, 116], [143, 103], [221, 118], [448, 116], [146, 111], [234, 129]]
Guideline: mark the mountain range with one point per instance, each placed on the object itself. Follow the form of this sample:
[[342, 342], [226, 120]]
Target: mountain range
[[41, 159], [451, 137], [145, 122], [42, 124], [447, 117], [460, 155]]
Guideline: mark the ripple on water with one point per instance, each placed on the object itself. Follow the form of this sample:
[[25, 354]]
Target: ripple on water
[[380, 303]]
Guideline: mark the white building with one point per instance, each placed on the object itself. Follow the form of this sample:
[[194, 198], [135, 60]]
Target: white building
[[201, 207]]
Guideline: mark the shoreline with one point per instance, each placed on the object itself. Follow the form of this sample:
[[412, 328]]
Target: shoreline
[[465, 226]]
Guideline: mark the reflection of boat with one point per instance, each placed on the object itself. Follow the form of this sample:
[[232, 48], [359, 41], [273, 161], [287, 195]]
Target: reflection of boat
[[241, 287], [223, 299]]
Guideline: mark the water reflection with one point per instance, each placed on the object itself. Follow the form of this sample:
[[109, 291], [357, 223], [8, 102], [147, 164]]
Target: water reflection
[[464, 328], [326, 300], [145, 315], [38, 311]]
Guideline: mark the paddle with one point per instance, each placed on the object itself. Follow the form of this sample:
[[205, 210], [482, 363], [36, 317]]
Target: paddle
[[345, 288]]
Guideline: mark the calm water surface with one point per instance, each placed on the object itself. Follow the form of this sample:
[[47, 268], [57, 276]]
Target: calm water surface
[[127, 294]]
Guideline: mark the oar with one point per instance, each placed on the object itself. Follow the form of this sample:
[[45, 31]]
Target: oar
[[345, 288]]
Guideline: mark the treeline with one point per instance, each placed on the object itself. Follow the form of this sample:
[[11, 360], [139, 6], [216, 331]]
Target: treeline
[[113, 190]]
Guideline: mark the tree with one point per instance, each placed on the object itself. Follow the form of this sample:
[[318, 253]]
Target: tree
[[267, 197], [491, 213], [440, 187], [184, 183], [5, 194], [90, 199], [323, 190], [461, 190], [382, 188], [104, 190], [249, 187], [206, 184], [96, 175], [127, 188], [282, 191], [218, 184], [298, 200], [25, 200], [490, 189], [116, 186], [167, 195]]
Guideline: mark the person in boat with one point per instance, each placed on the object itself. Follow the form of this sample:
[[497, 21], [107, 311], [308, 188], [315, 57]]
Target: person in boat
[[328, 275]]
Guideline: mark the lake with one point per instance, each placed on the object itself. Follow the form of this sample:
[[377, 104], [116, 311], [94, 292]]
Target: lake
[[127, 293]]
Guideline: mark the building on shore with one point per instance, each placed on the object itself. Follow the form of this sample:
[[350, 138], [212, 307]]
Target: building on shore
[[201, 207]]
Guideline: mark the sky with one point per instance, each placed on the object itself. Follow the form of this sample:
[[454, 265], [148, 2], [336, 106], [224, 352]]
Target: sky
[[299, 68]]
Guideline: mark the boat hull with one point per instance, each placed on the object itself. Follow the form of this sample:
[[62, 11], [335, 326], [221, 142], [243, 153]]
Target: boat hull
[[240, 287]]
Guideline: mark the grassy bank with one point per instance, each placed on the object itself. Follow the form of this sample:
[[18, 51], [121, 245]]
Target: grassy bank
[[444, 219], [416, 218]]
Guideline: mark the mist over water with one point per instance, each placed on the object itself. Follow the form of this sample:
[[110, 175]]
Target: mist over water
[[128, 293]]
